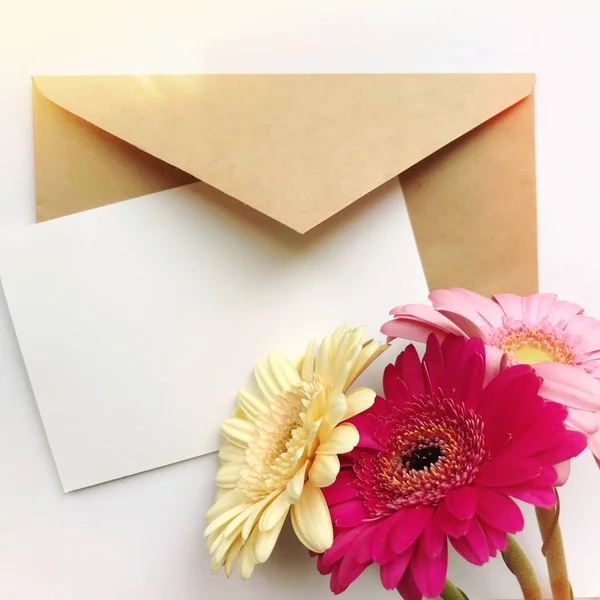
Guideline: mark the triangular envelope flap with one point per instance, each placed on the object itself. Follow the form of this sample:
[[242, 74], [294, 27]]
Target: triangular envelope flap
[[298, 148]]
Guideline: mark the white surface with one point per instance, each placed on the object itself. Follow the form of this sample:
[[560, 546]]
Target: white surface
[[138, 321], [139, 537]]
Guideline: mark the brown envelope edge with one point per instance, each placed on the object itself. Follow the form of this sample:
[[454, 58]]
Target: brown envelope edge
[[472, 207], [471, 203]]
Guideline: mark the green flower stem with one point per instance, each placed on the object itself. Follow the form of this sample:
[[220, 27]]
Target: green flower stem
[[521, 568], [451, 592], [554, 552]]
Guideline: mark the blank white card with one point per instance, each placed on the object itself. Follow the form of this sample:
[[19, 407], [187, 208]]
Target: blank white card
[[139, 321]]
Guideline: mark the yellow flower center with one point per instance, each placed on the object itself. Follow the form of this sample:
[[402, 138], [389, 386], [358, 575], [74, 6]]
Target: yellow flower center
[[530, 346], [283, 443]]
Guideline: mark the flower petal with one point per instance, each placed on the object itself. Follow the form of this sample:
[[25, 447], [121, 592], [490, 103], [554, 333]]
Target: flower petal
[[569, 385], [341, 440], [324, 470], [311, 520], [228, 475], [266, 540], [477, 308], [238, 431], [392, 572], [429, 567], [296, 484], [499, 511], [358, 401], [462, 502], [349, 514], [407, 587], [275, 512], [342, 489], [407, 531]]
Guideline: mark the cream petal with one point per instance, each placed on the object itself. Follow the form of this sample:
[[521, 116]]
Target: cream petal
[[266, 541], [341, 372], [358, 401], [225, 517], [296, 484], [232, 555], [283, 371], [246, 561], [252, 405], [337, 407], [228, 475], [369, 353], [324, 359], [255, 514], [324, 470], [220, 551], [266, 380], [215, 565], [229, 452], [307, 366], [238, 431], [342, 439], [311, 520], [276, 511], [224, 503]]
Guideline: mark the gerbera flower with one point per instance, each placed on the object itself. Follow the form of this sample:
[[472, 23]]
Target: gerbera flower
[[553, 335], [281, 448], [440, 459]]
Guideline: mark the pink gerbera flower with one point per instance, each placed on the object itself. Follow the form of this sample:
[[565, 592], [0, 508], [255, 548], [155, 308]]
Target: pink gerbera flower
[[440, 459], [553, 335]]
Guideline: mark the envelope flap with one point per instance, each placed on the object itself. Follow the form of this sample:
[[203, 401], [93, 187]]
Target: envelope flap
[[298, 148]]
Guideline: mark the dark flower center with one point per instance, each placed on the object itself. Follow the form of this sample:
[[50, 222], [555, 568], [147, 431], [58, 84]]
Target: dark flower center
[[421, 458]]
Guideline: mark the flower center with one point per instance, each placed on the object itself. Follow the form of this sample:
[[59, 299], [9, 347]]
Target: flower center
[[422, 458], [530, 346], [432, 446]]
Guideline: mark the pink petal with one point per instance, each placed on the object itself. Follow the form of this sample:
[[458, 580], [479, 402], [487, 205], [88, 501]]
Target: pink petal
[[569, 385], [594, 446], [342, 489], [394, 388], [433, 363], [448, 523], [493, 362], [408, 588], [511, 304], [381, 408], [429, 565], [473, 545], [321, 567], [414, 521], [427, 315], [563, 470], [462, 502], [480, 310], [344, 573], [407, 329], [361, 552], [582, 325], [342, 543], [408, 365], [537, 307], [586, 421], [349, 514], [496, 539], [469, 390], [499, 472], [567, 445], [542, 497], [469, 329], [499, 511], [366, 426], [562, 312], [392, 572]]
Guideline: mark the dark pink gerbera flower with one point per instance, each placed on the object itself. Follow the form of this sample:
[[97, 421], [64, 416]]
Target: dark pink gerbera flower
[[440, 460]]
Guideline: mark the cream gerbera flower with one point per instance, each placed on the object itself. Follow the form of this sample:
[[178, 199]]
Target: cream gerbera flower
[[281, 447]]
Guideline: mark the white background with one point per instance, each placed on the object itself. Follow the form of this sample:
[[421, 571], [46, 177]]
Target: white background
[[141, 537]]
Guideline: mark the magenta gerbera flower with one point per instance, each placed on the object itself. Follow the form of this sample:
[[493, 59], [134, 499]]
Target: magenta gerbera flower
[[441, 459], [555, 336]]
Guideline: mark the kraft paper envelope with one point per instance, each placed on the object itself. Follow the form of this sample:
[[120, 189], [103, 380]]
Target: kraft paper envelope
[[300, 148]]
